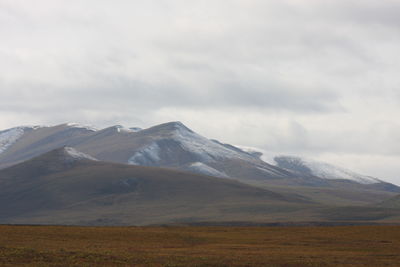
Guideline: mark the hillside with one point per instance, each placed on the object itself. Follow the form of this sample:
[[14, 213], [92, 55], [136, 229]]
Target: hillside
[[61, 187]]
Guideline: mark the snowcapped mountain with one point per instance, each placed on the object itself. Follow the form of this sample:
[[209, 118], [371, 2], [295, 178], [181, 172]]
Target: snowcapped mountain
[[322, 169], [170, 145], [10, 136], [311, 167], [174, 145], [179, 135]]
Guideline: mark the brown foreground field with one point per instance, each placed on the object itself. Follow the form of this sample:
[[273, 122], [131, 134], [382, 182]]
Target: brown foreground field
[[199, 246]]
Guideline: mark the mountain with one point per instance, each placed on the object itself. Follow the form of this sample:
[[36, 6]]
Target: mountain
[[331, 174], [173, 145], [65, 186], [69, 187], [26, 142], [322, 169]]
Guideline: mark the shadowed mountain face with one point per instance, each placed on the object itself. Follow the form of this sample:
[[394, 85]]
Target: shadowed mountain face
[[65, 186], [173, 145]]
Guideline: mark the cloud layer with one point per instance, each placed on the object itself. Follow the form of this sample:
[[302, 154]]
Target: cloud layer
[[315, 78]]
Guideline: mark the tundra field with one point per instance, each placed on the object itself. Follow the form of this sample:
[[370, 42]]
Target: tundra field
[[199, 246]]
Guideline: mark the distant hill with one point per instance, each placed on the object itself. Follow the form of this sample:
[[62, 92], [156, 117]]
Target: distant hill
[[65, 186]]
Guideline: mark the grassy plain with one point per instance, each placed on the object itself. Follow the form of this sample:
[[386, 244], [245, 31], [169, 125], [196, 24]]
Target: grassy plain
[[199, 246]]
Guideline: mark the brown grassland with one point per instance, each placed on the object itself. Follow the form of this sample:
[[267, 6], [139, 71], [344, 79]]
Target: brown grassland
[[199, 246]]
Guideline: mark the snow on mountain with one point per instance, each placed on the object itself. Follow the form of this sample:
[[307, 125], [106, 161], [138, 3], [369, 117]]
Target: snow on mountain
[[322, 169], [202, 149], [77, 155], [201, 168], [81, 126], [35, 127], [122, 129], [146, 156], [9, 137], [312, 167], [135, 129], [205, 148], [260, 153]]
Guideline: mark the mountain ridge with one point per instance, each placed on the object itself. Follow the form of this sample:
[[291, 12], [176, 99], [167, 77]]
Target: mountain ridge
[[170, 145], [51, 188]]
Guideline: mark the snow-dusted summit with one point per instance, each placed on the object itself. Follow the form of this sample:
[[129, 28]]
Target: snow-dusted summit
[[81, 126], [169, 145], [322, 169], [205, 150], [312, 167]]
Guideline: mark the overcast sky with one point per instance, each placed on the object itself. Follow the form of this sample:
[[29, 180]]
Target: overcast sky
[[304, 77]]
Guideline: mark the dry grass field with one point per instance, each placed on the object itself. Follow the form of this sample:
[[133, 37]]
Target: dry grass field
[[199, 246]]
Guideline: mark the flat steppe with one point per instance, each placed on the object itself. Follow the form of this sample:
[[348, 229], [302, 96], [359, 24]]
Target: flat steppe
[[200, 246]]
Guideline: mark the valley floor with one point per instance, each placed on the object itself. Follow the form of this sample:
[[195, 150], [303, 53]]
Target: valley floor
[[199, 246]]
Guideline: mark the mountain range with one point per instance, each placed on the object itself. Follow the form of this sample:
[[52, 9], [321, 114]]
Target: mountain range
[[65, 186], [75, 174]]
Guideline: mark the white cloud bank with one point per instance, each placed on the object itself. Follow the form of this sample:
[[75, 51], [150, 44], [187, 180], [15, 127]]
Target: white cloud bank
[[314, 78]]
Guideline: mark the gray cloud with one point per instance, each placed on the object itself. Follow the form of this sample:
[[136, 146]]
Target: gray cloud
[[309, 77]]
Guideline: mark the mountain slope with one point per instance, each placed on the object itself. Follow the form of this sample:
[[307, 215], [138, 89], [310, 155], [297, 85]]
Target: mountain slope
[[35, 140], [65, 186], [328, 174], [173, 145], [322, 169]]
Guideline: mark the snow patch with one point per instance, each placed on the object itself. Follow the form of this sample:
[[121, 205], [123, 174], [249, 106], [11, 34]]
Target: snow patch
[[202, 168], [317, 168], [75, 154], [328, 171], [35, 127], [265, 156], [146, 156], [204, 148], [122, 129], [9, 137], [80, 126]]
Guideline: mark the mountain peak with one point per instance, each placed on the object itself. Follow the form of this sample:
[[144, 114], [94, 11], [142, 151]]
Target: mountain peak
[[322, 169], [174, 125], [80, 126]]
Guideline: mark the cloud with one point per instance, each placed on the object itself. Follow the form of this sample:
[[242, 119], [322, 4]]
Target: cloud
[[307, 77]]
